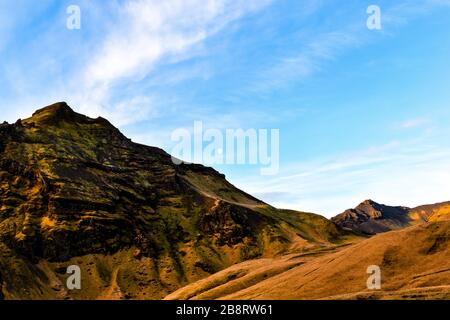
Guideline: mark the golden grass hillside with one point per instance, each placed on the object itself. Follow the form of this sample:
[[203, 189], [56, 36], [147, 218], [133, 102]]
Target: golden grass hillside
[[414, 262]]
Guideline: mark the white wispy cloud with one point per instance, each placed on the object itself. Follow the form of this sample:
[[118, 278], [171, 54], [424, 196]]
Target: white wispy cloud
[[414, 123], [322, 47], [129, 43], [396, 174], [152, 33], [133, 39]]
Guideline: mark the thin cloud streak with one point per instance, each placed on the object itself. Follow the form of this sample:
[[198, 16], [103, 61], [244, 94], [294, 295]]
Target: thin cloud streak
[[153, 33], [414, 123], [399, 175], [329, 45]]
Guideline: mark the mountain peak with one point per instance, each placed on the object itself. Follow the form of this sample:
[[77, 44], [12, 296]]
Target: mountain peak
[[54, 114], [59, 112], [369, 202], [370, 207], [55, 108], [59, 109]]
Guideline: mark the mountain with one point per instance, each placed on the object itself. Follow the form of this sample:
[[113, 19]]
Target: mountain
[[370, 217], [75, 191], [414, 264]]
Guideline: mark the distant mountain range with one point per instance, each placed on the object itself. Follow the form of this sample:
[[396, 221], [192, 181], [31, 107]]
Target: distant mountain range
[[76, 191], [370, 217]]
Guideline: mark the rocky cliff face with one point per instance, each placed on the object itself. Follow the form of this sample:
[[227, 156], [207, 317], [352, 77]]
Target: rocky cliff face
[[74, 190]]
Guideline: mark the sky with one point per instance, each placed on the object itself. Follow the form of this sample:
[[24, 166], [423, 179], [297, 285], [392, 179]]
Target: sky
[[361, 113]]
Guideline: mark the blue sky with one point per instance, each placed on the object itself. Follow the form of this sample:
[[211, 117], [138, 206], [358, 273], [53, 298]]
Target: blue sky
[[362, 113]]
